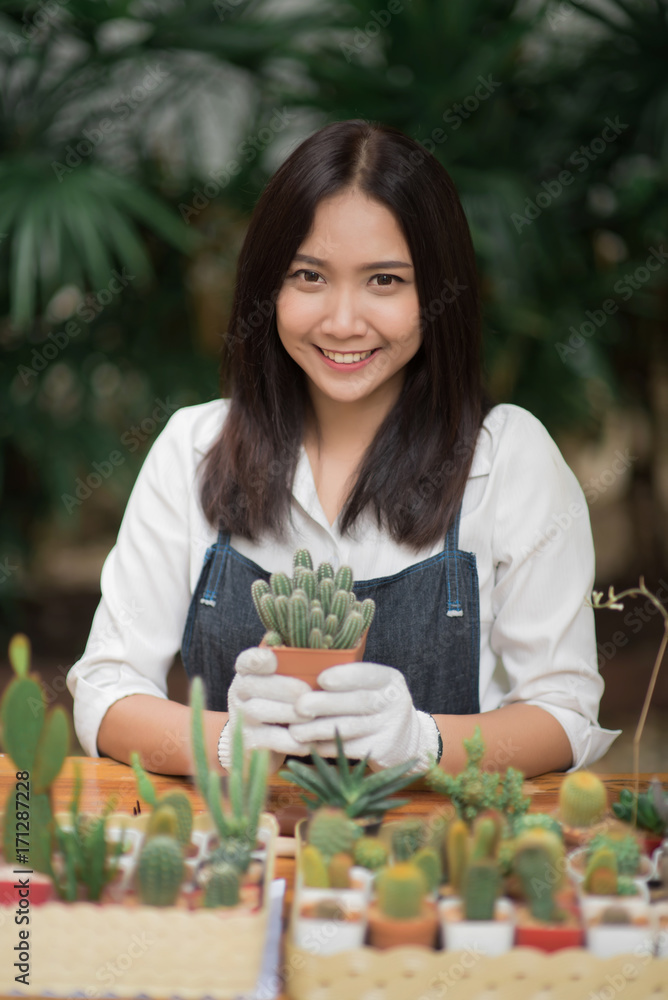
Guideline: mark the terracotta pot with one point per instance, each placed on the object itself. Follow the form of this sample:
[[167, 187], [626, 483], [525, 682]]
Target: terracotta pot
[[306, 664], [549, 938], [389, 932]]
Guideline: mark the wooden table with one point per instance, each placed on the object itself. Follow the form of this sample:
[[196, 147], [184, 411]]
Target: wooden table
[[104, 779]]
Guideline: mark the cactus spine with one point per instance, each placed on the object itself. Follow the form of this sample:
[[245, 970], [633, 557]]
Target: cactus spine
[[582, 799], [160, 871], [316, 608]]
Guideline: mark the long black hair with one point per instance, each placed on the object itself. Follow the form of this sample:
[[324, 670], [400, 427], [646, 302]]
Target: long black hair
[[414, 472]]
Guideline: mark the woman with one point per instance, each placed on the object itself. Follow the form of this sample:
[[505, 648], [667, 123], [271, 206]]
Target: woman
[[357, 427]]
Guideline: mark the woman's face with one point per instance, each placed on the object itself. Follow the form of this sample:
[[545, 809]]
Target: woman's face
[[348, 310]]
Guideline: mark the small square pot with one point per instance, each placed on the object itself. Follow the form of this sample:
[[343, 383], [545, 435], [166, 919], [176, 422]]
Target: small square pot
[[608, 940], [487, 937], [327, 936]]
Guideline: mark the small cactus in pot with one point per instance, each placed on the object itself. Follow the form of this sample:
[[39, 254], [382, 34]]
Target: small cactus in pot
[[315, 609], [402, 914]]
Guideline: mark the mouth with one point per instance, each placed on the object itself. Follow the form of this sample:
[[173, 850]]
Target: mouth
[[348, 357]]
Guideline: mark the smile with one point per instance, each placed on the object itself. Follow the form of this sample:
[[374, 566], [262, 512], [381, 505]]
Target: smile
[[346, 359]]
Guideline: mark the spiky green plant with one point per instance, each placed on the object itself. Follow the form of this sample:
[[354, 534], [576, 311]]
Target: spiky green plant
[[534, 867], [332, 831], [370, 852], [457, 849], [314, 867], [401, 889], [625, 847], [236, 816], [601, 874], [429, 863], [37, 742], [339, 784], [87, 863], [582, 799], [160, 871], [407, 836], [315, 609], [475, 789], [222, 889], [481, 888], [176, 800]]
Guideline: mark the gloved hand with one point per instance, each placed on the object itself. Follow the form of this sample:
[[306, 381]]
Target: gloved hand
[[266, 701], [372, 708]]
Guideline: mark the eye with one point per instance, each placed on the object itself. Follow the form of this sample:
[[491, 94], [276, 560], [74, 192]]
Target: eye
[[386, 280], [311, 277]]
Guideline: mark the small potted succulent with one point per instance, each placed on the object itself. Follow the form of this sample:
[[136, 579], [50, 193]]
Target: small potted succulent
[[313, 619], [649, 810], [402, 913], [547, 912], [477, 916], [583, 804], [363, 797], [331, 892], [626, 845], [615, 908]]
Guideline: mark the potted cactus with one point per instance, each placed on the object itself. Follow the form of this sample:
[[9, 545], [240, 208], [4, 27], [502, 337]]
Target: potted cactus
[[583, 804], [313, 619], [632, 864], [331, 892], [477, 917], [547, 913], [649, 810], [402, 913]]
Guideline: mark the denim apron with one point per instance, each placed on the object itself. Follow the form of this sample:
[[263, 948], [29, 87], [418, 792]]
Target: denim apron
[[427, 624]]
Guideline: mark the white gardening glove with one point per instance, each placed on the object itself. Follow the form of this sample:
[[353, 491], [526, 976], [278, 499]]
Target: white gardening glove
[[372, 708], [266, 701]]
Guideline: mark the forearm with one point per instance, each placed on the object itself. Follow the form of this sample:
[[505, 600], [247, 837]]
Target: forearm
[[525, 737], [159, 730]]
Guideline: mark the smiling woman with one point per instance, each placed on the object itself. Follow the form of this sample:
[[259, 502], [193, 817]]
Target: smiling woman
[[354, 423]]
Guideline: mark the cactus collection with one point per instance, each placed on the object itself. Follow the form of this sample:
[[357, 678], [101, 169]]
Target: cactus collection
[[314, 609]]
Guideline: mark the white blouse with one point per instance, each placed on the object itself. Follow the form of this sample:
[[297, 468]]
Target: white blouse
[[524, 516]]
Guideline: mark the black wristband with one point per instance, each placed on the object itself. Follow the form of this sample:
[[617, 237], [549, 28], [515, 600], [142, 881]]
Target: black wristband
[[440, 741]]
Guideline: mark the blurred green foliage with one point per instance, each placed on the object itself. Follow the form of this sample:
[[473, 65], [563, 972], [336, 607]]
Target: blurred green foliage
[[552, 118]]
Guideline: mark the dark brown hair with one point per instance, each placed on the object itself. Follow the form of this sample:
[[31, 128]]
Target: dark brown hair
[[414, 472]]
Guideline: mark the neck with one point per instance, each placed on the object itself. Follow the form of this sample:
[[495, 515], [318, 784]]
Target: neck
[[337, 426]]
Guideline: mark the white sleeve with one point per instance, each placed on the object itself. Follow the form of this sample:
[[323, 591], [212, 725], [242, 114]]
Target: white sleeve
[[543, 632], [145, 586]]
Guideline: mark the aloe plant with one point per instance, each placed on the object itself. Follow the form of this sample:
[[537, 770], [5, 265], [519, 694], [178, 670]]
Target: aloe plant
[[316, 609], [350, 788]]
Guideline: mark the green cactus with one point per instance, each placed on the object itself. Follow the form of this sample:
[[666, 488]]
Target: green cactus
[[582, 799], [325, 594], [343, 579], [38, 743], [625, 846], [338, 870], [237, 819], [325, 572], [350, 632], [280, 584], [302, 557], [482, 885], [160, 871], [400, 890], [222, 889], [601, 873], [429, 863], [407, 836], [162, 822], [534, 868], [176, 800], [487, 829], [531, 821], [457, 850], [332, 832], [370, 852], [314, 867], [545, 839], [272, 639], [315, 609]]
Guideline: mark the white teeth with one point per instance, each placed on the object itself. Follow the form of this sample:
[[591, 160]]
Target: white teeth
[[345, 359]]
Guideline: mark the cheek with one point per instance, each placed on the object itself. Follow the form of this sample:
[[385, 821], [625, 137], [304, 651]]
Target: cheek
[[295, 312]]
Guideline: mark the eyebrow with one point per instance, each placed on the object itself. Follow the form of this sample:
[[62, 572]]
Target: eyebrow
[[363, 267]]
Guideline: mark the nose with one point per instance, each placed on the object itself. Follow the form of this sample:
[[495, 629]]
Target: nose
[[342, 316]]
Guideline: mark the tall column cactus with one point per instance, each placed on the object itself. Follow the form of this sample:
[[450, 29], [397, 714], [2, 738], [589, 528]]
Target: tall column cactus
[[315, 609], [236, 817], [38, 743]]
